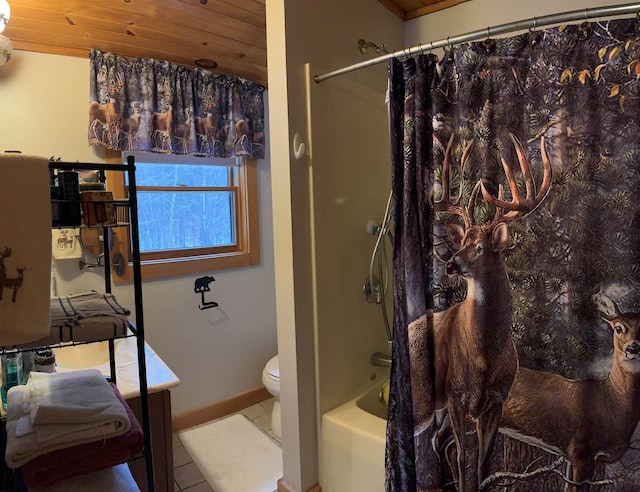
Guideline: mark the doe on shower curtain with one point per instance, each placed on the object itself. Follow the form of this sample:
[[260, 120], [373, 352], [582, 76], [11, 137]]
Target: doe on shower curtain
[[516, 264]]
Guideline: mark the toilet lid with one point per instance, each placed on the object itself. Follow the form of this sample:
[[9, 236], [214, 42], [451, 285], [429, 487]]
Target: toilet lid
[[273, 367]]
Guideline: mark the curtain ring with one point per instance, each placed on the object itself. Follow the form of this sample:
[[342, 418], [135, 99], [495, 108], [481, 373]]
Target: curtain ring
[[448, 50], [489, 44], [533, 35], [432, 57], [586, 28]]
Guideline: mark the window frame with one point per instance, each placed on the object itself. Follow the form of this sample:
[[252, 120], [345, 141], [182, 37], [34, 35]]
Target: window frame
[[171, 263]]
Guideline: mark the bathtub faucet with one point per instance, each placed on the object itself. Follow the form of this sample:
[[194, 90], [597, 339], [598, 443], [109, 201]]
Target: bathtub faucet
[[380, 359]]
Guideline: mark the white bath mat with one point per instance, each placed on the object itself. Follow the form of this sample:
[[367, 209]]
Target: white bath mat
[[234, 455]]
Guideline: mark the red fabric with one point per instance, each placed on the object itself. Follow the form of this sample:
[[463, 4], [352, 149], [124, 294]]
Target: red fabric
[[86, 458]]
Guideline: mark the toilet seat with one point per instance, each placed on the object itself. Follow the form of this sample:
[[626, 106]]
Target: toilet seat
[[272, 369], [271, 381]]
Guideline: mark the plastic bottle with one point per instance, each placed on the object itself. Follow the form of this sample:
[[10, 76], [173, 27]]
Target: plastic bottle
[[28, 361], [11, 373], [45, 361]]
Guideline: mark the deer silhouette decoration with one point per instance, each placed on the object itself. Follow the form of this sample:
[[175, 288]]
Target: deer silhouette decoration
[[473, 350], [15, 283], [6, 252], [585, 420]]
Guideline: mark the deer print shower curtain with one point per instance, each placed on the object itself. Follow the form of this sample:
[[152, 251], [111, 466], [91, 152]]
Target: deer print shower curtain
[[141, 104], [516, 356]]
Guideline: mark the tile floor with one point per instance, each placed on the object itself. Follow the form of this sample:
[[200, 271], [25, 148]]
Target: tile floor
[[186, 474]]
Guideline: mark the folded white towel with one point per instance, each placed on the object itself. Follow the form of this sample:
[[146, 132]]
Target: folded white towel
[[60, 410], [74, 402], [25, 248]]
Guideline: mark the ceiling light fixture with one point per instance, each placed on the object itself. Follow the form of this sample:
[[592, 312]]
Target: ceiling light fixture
[[6, 49], [5, 13], [6, 46], [206, 63]]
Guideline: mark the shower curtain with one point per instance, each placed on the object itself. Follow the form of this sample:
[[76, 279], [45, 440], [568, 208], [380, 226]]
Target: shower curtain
[[516, 275]]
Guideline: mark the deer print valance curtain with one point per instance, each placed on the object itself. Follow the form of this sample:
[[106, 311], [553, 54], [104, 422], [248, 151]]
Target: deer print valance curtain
[[516, 280], [139, 104]]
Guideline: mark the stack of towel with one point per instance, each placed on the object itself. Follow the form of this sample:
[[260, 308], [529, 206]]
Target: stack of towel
[[62, 425], [88, 316]]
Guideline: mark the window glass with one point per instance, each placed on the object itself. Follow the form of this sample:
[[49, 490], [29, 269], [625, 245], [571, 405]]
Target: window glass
[[178, 217], [185, 219], [151, 174]]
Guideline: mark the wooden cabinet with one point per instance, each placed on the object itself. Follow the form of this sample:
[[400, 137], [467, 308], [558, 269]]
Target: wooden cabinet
[[161, 442]]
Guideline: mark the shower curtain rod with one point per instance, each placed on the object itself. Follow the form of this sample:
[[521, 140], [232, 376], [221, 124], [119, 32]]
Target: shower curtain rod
[[532, 23]]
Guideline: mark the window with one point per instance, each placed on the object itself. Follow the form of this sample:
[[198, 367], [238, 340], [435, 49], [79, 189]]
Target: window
[[194, 214]]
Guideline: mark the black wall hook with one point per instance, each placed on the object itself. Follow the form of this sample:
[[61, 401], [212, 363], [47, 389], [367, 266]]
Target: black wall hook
[[201, 286]]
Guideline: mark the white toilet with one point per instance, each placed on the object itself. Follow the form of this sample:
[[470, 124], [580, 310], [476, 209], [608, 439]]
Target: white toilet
[[271, 381]]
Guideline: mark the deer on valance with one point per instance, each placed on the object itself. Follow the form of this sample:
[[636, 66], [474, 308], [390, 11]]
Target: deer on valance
[[138, 104]]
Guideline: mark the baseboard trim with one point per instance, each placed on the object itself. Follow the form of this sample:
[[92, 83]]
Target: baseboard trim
[[220, 409], [285, 487]]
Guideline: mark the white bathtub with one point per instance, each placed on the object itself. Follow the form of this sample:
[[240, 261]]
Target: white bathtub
[[352, 442]]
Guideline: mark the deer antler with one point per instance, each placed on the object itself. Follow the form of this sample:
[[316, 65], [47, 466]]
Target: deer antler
[[446, 202], [6, 252], [519, 206]]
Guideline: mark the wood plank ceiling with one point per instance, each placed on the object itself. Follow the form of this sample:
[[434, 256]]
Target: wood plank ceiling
[[231, 33]]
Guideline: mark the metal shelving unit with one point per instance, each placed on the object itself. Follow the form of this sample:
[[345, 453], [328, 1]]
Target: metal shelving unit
[[137, 327]]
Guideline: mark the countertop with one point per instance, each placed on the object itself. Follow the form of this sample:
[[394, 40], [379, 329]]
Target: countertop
[[159, 375]]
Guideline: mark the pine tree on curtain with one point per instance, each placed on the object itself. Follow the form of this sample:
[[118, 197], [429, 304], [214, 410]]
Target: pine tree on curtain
[[410, 122], [139, 104], [559, 108]]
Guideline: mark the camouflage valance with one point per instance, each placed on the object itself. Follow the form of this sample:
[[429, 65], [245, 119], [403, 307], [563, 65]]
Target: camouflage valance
[[141, 104]]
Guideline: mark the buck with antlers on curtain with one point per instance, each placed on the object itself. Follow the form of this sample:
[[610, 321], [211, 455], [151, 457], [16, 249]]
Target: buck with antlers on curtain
[[516, 285]]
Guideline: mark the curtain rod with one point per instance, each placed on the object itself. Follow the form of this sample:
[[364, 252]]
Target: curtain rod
[[521, 25]]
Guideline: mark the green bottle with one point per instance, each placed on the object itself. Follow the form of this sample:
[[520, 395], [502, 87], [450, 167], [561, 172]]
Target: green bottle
[[11, 373]]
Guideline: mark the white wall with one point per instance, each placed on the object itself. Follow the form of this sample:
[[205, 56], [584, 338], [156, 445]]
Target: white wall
[[480, 14], [322, 203], [216, 353]]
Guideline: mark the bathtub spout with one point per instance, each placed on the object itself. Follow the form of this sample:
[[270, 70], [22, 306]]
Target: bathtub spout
[[381, 360]]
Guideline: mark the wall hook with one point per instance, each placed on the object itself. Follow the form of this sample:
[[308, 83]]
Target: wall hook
[[201, 286], [299, 148]]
